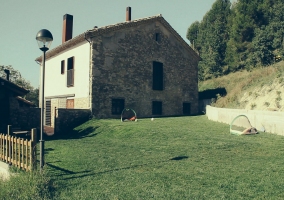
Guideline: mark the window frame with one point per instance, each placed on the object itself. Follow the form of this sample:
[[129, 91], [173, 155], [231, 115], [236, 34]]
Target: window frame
[[158, 76], [157, 107], [186, 108], [157, 37], [70, 71], [62, 67], [117, 106]]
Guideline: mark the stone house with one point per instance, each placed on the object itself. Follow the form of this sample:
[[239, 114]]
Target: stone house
[[15, 110], [142, 64]]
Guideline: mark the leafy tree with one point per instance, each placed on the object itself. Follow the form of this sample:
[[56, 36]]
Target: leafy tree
[[242, 35], [192, 33], [16, 77], [210, 37]]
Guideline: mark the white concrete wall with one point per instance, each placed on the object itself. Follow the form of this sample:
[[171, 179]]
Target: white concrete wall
[[4, 171], [272, 121], [56, 83]]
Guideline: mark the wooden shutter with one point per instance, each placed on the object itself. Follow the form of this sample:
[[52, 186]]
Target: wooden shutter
[[70, 103], [70, 71]]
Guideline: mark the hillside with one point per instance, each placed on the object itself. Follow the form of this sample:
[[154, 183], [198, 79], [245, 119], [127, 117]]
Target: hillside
[[260, 89]]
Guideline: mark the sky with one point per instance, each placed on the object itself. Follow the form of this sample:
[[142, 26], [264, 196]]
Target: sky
[[20, 21]]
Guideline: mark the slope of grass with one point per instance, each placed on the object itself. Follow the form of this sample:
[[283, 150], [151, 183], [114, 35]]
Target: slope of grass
[[169, 158], [258, 83]]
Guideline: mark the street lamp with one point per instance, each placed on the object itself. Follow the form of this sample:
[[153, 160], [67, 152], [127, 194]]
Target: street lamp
[[44, 39]]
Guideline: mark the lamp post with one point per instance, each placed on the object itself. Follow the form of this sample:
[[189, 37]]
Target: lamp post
[[44, 39]]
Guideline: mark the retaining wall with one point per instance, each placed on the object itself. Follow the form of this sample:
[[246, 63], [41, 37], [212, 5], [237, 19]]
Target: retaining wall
[[270, 121], [67, 119], [4, 170]]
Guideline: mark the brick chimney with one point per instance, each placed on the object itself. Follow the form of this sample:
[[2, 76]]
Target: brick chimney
[[67, 27], [128, 14], [7, 74]]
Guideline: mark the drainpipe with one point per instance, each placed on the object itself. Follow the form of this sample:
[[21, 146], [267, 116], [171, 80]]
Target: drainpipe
[[90, 76]]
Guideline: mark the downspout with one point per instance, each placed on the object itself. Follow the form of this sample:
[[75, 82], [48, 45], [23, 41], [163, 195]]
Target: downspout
[[90, 76]]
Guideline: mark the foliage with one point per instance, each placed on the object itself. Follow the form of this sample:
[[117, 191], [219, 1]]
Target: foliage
[[242, 35], [16, 77]]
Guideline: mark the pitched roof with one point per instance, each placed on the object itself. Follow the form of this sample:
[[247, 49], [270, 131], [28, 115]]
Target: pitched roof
[[106, 29], [25, 101], [18, 91]]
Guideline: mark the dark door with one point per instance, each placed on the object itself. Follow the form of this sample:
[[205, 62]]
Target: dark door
[[4, 110]]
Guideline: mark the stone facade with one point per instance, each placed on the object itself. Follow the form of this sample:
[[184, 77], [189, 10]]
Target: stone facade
[[122, 63], [81, 103], [115, 62], [26, 118]]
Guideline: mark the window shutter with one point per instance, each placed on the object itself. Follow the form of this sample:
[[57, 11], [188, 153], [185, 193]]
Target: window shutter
[[70, 71]]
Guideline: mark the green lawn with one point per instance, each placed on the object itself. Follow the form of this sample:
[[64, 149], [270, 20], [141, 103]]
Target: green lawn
[[168, 158]]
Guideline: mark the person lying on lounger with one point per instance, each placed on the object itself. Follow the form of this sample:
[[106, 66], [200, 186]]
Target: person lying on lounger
[[249, 131]]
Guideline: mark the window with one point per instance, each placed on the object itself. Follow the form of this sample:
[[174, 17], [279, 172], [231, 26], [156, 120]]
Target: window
[[62, 66], [69, 103], [158, 79], [156, 107], [117, 106], [186, 108], [70, 71], [157, 37]]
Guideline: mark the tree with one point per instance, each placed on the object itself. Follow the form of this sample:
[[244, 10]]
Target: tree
[[242, 35], [210, 39], [192, 33], [16, 77]]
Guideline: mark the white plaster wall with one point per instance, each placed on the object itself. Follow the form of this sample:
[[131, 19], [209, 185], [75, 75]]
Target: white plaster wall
[[271, 121], [56, 83]]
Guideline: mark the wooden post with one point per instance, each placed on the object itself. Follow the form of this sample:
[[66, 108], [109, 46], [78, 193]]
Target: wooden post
[[9, 130], [34, 150], [9, 146], [55, 116]]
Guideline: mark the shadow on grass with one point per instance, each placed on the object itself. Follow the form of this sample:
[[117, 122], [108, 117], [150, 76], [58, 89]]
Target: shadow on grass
[[91, 173], [74, 134], [65, 170]]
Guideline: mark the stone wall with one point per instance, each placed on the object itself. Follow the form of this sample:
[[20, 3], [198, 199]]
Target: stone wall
[[25, 118], [270, 121], [81, 103], [122, 68], [67, 119]]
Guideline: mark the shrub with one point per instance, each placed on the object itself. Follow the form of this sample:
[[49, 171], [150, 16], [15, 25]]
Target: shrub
[[27, 185], [266, 103], [252, 106]]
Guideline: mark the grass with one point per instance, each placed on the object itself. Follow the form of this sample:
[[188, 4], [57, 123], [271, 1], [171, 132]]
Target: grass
[[168, 158], [26, 185]]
